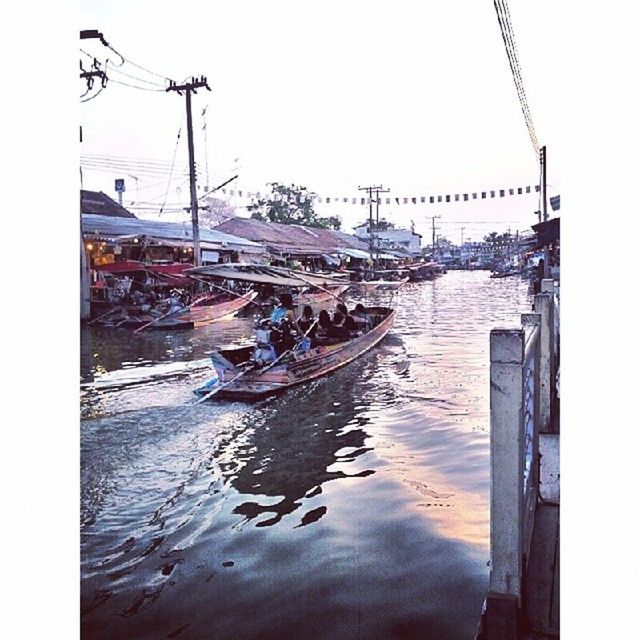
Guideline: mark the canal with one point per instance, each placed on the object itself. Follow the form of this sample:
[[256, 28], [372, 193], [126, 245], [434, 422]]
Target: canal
[[354, 507]]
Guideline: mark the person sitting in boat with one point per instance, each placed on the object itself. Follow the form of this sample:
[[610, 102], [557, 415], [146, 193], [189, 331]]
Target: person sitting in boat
[[347, 320], [324, 322], [284, 309], [306, 321], [359, 316], [338, 330], [264, 352]]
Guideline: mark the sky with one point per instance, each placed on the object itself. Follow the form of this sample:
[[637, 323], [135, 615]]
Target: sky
[[416, 97]]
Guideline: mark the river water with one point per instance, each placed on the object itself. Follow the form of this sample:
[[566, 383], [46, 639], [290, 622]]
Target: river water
[[354, 507]]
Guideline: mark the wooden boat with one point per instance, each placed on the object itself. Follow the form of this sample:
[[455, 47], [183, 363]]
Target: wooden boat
[[203, 313], [318, 297], [382, 284], [238, 383], [214, 308]]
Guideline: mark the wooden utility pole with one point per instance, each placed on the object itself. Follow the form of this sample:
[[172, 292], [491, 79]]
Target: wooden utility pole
[[189, 88], [379, 190], [543, 161], [370, 190], [545, 216], [433, 235]]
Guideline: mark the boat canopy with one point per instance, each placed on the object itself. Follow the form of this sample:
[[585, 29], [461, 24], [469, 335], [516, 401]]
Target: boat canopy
[[276, 276]]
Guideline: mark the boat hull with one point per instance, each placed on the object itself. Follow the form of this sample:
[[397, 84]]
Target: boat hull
[[201, 316], [317, 362], [320, 297]]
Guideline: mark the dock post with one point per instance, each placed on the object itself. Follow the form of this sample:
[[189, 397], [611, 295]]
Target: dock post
[[507, 466], [543, 304]]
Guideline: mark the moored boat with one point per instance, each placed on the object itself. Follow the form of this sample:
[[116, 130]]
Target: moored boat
[[382, 284], [314, 297], [237, 378]]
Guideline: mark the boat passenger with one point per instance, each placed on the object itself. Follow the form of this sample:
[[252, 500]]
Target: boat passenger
[[306, 321], [324, 322], [338, 329], [347, 320], [359, 315]]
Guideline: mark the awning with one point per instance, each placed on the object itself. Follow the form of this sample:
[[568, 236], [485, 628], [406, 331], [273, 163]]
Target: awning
[[353, 253], [331, 259], [547, 232], [276, 276]]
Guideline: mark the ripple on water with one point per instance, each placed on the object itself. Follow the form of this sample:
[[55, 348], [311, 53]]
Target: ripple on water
[[355, 506]]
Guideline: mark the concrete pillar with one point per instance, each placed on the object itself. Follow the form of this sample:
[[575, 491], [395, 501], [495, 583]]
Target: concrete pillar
[[543, 304], [507, 446]]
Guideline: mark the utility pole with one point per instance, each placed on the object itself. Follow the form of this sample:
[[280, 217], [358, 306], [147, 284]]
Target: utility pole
[[433, 235], [543, 162], [189, 88], [370, 190], [545, 216], [378, 192]]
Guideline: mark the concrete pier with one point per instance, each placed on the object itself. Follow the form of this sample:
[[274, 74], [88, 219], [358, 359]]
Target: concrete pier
[[523, 602]]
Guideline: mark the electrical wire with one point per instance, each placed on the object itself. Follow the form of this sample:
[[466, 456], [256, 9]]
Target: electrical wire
[[156, 84], [506, 29], [175, 151], [147, 163], [95, 95], [133, 86]]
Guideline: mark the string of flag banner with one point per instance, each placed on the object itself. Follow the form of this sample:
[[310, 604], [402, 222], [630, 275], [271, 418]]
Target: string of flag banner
[[432, 199]]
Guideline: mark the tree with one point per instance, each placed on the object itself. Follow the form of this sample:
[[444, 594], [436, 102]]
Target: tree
[[497, 238], [290, 205], [381, 225], [217, 212]]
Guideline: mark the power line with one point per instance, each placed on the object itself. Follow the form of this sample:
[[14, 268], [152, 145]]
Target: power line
[[506, 29], [133, 86], [175, 150], [94, 95], [156, 84]]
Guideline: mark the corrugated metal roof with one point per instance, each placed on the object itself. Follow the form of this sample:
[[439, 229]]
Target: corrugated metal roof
[[98, 203], [290, 237], [109, 226]]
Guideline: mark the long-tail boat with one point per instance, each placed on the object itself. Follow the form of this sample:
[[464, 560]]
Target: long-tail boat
[[240, 377], [237, 379]]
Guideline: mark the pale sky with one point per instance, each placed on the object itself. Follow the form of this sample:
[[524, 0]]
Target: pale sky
[[415, 96]]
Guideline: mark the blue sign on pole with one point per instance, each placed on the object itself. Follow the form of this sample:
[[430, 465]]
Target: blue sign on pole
[[120, 185]]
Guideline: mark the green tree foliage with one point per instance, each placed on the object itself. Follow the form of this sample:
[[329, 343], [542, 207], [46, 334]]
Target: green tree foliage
[[290, 205], [497, 238]]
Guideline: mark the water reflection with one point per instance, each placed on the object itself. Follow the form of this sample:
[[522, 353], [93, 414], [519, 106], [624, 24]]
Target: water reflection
[[296, 441], [352, 507]]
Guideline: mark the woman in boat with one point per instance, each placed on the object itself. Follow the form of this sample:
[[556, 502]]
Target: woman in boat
[[324, 322], [342, 318], [306, 321], [338, 329], [359, 316]]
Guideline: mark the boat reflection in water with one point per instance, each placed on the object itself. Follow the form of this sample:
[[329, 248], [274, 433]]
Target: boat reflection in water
[[290, 454]]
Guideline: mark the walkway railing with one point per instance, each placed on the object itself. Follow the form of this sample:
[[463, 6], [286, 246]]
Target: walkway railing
[[523, 375]]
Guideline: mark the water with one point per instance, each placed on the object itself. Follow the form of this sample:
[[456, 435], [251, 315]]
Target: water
[[352, 507]]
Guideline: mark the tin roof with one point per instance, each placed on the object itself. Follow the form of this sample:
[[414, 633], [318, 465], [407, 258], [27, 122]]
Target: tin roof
[[291, 238], [98, 203], [113, 227]]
